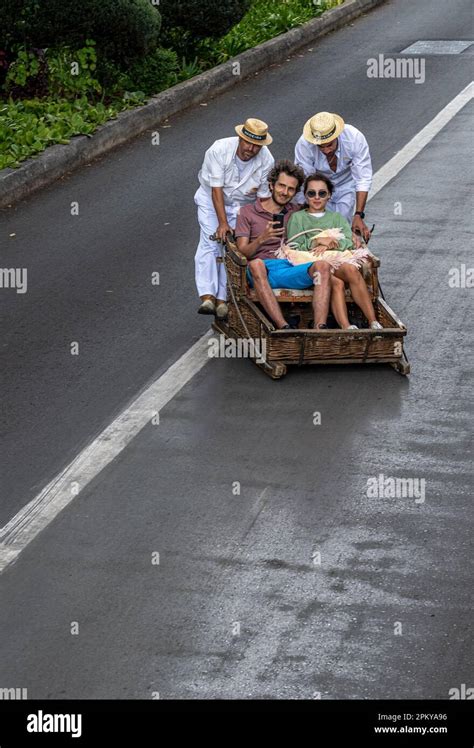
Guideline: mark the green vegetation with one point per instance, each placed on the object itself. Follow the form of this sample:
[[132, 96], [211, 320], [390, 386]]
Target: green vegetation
[[187, 22], [121, 29], [52, 96], [265, 20], [28, 127], [68, 67]]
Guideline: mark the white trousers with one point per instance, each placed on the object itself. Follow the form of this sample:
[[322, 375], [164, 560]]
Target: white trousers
[[343, 203], [210, 275]]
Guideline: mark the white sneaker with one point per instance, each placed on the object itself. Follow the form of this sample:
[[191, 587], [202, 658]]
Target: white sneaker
[[352, 327], [376, 325]]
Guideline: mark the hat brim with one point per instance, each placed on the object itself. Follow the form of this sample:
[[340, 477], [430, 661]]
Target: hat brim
[[267, 141], [308, 135]]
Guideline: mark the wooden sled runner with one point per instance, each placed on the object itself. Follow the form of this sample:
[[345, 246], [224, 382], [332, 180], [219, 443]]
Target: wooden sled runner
[[302, 346]]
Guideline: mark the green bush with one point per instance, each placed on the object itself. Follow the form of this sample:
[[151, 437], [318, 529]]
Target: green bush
[[29, 126], [67, 73], [265, 20], [71, 73], [201, 18], [9, 12], [122, 29], [25, 67], [60, 72], [151, 74]]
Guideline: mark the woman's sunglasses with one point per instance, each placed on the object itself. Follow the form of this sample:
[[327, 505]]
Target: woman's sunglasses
[[319, 193]]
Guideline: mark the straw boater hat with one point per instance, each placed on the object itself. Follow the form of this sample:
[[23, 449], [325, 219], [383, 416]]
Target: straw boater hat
[[254, 131], [322, 128]]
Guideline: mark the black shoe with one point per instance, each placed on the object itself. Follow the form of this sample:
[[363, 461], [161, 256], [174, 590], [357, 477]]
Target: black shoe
[[323, 327]]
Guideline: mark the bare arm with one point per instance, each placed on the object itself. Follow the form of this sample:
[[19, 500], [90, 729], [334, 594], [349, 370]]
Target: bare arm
[[362, 174], [357, 222], [361, 199]]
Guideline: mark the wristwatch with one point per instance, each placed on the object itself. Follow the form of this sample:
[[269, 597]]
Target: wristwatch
[[360, 213]]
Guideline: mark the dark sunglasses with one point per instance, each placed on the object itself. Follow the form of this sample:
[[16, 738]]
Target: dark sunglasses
[[320, 193]]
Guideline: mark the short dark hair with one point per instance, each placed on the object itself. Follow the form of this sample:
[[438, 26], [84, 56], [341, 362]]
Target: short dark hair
[[285, 166], [320, 178]]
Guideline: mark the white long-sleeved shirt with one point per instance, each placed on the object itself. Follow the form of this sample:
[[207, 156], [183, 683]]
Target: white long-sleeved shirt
[[220, 169], [354, 166]]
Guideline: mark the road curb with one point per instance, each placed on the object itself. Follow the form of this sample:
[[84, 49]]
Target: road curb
[[57, 160]]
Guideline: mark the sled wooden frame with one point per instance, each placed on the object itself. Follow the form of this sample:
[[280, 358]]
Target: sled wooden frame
[[246, 319]]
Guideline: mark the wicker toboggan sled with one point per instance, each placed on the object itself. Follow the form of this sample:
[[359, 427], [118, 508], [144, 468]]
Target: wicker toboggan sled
[[247, 319]]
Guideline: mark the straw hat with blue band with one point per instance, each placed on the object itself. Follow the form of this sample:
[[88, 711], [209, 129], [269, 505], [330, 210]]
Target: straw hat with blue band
[[323, 128], [254, 131]]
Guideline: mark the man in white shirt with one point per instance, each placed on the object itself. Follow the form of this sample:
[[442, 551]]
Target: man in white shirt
[[234, 172], [340, 152]]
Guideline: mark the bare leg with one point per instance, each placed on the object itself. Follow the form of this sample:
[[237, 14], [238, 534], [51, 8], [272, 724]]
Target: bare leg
[[265, 294], [338, 302], [320, 271], [351, 275]]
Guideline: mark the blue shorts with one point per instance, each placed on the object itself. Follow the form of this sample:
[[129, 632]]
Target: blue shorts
[[282, 274]]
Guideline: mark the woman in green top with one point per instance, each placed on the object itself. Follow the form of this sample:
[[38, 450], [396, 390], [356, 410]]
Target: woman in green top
[[317, 190]]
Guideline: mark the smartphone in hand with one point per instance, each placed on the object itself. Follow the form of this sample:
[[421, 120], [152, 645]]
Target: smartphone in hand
[[278, 220]]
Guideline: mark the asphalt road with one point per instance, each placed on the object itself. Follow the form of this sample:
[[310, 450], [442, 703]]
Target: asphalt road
[[248, 559]]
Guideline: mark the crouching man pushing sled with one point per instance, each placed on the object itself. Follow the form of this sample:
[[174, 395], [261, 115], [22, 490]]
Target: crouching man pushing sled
[[234, 173]]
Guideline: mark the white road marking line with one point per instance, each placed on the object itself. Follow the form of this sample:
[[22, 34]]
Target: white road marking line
[[416, 144], [41, 510]]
